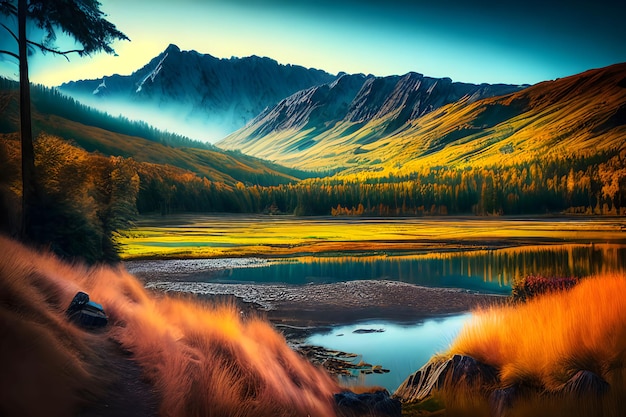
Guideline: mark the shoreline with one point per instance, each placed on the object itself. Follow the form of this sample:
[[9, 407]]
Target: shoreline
[[299, 309], [307, 305], [298, 312]]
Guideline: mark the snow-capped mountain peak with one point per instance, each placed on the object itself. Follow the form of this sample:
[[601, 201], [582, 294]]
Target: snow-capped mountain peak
[[100, 87], [152, 75]]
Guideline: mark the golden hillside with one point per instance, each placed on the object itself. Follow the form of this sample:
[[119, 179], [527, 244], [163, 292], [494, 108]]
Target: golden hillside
[[583, 113]]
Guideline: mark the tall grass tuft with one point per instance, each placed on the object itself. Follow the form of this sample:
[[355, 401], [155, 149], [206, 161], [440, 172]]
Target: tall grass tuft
[[564, 344], [48, 365], [204, 360]]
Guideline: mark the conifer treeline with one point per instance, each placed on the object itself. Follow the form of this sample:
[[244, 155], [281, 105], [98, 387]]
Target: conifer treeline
[[576, 184], [51, 101], [87, 198], [82, 199]]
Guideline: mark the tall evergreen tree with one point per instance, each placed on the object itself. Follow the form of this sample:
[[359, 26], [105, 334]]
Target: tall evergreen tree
[[80, 19]]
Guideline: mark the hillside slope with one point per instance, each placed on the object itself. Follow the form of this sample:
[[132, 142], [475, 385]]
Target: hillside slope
[[582, 113], [316, 126], [192, 358], [211, 163]]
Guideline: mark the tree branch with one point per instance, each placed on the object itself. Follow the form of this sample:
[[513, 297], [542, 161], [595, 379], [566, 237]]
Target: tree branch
[[16, 56], [40, 46], [54, 51], [11, 32]]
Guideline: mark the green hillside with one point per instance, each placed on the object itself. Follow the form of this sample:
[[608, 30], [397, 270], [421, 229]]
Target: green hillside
[[94, 131]]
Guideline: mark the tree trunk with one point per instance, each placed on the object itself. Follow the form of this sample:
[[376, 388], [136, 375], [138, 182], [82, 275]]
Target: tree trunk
[[28, 154]]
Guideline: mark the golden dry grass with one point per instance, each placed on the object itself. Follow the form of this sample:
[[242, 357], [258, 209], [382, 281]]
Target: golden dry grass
[[543, 343], [204, 360], [548, 339], [48, 365]]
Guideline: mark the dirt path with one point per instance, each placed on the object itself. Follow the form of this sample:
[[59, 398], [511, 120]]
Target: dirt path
[[127, 393]]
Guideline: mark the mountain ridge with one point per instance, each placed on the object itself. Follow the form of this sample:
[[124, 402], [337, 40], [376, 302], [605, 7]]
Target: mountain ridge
[[577, 112], [315, 117], [198, 95]]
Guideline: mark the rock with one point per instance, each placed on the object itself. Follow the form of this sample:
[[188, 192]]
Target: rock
[[79, 300], [585, 383], [366, 331], [337, 362], [458, 372], [468, 372], [374, 404], [86, 313], [420, 384]]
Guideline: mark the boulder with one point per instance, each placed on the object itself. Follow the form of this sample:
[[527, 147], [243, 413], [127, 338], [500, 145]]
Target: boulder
[[502, 400], [86, 313], [370, 404], [458, 372], [585, 383]]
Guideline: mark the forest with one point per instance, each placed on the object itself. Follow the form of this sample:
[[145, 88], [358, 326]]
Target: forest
[[87, 199], [582, 185], [91, 188]]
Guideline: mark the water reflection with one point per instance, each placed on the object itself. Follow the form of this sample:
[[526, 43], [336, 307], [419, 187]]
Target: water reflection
[[402, 349], [480, 270]]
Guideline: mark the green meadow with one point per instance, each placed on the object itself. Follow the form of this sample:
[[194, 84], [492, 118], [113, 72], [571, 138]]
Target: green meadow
[[211, 236]]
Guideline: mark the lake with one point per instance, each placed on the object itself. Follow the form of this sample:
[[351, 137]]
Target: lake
[[485, 271], [484, 255], [400, 348]]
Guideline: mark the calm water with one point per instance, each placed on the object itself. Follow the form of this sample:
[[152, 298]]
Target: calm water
[[553, 248], [402, 349], [491, 271]]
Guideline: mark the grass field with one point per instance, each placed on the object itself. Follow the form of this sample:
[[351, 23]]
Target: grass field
[[563, 353], [204, 236]]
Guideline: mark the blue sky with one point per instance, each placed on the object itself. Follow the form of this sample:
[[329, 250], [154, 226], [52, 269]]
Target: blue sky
[[484, 41]]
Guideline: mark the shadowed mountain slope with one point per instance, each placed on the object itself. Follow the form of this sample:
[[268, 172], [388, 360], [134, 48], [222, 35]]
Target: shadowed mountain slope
[[196, 94]]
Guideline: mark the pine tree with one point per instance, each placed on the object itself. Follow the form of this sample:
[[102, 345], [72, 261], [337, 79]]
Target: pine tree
[[81, 19]]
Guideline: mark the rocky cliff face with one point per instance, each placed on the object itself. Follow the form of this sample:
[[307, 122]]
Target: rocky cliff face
[[342, 107], [404, 123], [194, 94]]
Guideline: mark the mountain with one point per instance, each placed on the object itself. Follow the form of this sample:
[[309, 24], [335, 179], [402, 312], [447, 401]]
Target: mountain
[[382, 130], [55, 114], [326, 126], [195, 94]]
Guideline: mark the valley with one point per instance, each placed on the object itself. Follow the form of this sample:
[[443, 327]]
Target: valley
[[277, 203]]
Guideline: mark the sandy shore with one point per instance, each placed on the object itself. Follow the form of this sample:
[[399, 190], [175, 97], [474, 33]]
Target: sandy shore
[[312, 305]]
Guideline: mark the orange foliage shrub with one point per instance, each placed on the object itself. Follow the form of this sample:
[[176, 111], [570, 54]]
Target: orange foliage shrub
[[535, 285]]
